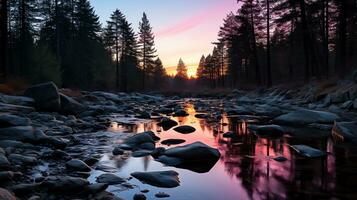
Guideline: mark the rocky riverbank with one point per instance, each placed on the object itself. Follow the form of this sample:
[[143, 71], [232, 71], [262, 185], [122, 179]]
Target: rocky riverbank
[[49, 141]]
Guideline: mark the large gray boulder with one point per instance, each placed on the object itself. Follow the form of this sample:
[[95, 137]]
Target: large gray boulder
[[164, 179], [46, 96], [305, 116], [345, 131]]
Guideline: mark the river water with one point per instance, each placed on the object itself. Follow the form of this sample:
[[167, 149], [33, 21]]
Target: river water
[[246, 169]]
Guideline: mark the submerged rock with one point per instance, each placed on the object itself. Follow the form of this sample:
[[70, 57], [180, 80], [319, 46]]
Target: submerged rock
[[304, 117], [345, 131], [167, 123], [165, 179], [173, 141], [185, 129], [180, 113], [78, 165], [267, 130], [22, 160], [46, 96], [69, 105], [110, 179], [162, 195], [139, 197], [308, 151]]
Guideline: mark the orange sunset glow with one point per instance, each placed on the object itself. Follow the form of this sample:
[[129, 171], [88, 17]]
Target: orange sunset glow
[[191, 71]]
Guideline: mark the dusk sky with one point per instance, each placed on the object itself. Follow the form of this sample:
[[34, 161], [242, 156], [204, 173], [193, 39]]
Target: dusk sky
[[183, 28]]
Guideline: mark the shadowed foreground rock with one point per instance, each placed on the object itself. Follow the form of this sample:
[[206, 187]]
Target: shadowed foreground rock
[[345, 131], [305, 117], [308, 152], [165, 179]]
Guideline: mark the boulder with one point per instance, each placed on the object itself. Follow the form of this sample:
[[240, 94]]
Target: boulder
[[141, 153], [110, 179], [267, 130], [139, 196], [194, 152], [167, 123], [180, 113], [4, 107], [309, 152], [185, 129], [304, 117], [18, 159], [164, 179], [161, 195], [6, 195], [70, 106], [7, 120], [202, 116], [118, 151], [230, 134], [17, 100], [78, 165], [345, 131], [138, 139], [21, 133], [46, 96], [169, 142]]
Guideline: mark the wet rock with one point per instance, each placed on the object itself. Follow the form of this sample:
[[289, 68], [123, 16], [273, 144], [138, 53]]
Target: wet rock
[[77, 165], [118, 151], [138, 139], [7, 120], [185, 129], [194, 152], [22, 160], [345, 131], [25, 188], [96, 188], [21, 133], [139, 197], [158, 152], [165, 179], [46, 96], [165, 111], [308, 151], [144, 191], [15, 108], [280, 159], [144, 115], [180, 113], [110, 179], [167, 123], [169, 142], [239, 110], [147, 146], [6, 195], [141, 153], [162, 195], [69, 105], [106, 168], [304, 117], [16, 144], [17, 100], [4, 162], [267, 130], [65, 184]]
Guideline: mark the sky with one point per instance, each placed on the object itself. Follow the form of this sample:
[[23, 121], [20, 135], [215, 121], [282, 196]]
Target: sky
[[183, 28]]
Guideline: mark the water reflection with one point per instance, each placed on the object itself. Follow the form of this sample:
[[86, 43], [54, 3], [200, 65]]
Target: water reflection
[[246, 169]]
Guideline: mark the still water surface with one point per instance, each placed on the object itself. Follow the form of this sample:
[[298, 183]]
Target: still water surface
[[246, 169]]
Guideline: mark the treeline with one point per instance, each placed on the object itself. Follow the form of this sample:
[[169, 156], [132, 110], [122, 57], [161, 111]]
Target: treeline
[[63, 41], [271, 42]]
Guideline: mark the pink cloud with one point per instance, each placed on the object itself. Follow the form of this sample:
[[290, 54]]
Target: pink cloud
[[193, 21]]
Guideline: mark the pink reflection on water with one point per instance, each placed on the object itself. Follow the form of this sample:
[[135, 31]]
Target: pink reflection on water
[[249, 159]]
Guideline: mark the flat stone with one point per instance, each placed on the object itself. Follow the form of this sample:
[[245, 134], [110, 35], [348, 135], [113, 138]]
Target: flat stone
[[78, 165], [110, 179], [308, 151], [185, 129], [165, 179]]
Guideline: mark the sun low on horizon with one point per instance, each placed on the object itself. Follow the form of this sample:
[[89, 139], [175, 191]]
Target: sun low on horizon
[[183, 28]]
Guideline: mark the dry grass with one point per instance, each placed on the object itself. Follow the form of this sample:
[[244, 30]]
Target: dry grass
[[13, 87]]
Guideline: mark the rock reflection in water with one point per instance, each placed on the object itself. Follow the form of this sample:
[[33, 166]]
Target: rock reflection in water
[[248, 161]]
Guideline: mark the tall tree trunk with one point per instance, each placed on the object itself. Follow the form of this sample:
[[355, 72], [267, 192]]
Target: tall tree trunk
[[342, 29], [22, 35], [144, 63], [305, 39], [326, 36], [58, 39], [123, 68], [4, 39], [269, 78], [117, 60], [255, 49]]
